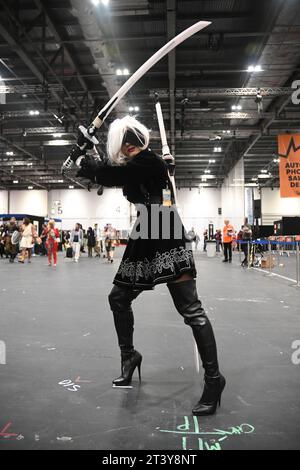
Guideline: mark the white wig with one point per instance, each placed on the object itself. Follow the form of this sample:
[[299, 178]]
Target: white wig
[[116, 133]]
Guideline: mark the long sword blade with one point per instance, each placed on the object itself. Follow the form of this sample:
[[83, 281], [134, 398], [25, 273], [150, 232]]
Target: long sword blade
[[112, 103]]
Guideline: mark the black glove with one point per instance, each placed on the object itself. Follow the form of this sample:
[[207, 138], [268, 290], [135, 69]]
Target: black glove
[[89, 168]]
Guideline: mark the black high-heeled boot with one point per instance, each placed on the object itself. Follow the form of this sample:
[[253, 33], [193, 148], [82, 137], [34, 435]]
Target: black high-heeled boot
[[120, 300], [129, 363], [186, 301], [211, 396]]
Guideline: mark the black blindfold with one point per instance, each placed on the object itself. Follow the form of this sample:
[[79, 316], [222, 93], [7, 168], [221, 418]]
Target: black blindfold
[[134, 138]]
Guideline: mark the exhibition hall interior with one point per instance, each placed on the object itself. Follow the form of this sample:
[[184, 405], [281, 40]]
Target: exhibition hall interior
[[149, 225]]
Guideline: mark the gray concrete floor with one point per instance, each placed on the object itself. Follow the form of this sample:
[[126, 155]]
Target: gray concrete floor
[[57, 327]]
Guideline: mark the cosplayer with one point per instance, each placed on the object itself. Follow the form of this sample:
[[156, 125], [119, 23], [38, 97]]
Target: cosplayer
[[29, 237], [52, 240], [12, 236], [146, 262]]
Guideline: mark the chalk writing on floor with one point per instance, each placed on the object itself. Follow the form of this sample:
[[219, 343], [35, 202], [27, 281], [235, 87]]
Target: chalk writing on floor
[[194, 438], [72, 385], [6, 435]]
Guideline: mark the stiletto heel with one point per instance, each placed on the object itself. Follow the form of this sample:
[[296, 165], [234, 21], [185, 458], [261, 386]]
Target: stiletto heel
[[129, 363], [139, 370], [211, 397]]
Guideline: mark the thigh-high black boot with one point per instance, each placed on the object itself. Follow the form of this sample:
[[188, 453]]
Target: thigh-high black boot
[[120, 299], [186, 301]]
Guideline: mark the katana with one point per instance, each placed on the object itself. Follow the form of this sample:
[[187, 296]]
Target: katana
[[168, 157], [86, 138], [166, 154]]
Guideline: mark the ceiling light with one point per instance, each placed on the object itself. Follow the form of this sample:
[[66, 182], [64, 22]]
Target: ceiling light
[[254, 68], [30, 187], [58, 142], [9, 153], [264, 176], [276, 160], [71, 187], [206, 171], [206, 177], [29, 164], [122, 72], [24, 95], [264, 171], [211, 161], [57, 135], [15, 181], [236, 107], [133, 108], [34, 112], [217, 149]]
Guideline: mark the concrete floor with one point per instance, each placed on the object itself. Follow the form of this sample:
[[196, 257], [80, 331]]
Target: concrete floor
[[57, 328]]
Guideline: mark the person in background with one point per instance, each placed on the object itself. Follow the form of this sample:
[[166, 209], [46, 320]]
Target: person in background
[[196, 240], [228, 233], [205, 238], [76, 239], [110, 239], [218, 238], [52, 239], [84, 239], [43, 251], [97, 236], [11, 239], [246, 237], [191, 235], [27, 241], [2, 240], [91, 241]]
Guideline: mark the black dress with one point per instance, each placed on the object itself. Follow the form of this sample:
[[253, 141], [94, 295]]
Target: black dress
[[149, 260]]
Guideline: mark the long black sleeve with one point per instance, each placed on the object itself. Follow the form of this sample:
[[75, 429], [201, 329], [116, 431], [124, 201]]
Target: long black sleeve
[[140, 169]]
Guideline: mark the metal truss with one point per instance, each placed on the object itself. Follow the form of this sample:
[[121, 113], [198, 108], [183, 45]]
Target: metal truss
[[30, 89], [205, 92]]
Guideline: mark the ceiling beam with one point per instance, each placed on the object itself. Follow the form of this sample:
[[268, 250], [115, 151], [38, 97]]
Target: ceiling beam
[[42, 6]]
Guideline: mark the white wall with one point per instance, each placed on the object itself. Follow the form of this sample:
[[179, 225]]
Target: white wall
[[28, 202], [274, 207], [233, 195], [3, 202], [199, 207], [87, 208]]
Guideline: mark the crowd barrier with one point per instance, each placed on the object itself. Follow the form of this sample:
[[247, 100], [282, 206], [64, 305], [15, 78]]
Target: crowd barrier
[[269, 253]]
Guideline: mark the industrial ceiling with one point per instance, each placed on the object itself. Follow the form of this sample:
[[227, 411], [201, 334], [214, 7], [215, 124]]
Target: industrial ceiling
[[225, 93]]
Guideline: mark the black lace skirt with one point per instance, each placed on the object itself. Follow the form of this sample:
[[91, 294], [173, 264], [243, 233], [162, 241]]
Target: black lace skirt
[[158, 256]]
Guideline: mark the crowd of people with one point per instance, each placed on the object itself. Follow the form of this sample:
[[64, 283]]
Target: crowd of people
[[227, 240], [21, 240]]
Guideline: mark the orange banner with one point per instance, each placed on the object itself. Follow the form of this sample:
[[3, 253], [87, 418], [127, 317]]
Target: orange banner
[[289, 167]]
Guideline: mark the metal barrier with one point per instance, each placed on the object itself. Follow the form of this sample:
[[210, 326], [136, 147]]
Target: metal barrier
[[272, 249]]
